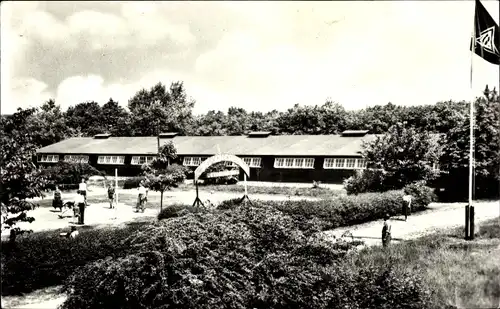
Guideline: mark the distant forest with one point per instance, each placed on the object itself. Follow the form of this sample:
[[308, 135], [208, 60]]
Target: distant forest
[[162, 109]]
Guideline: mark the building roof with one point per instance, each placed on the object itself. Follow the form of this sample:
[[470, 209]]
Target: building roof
[[279, 145]]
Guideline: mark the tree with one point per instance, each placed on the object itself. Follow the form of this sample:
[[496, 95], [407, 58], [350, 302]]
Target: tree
[[20, 178], [48, 125], [158, 110], [86, 118], [405, 154], [455, 158], [113, 116], [160, 175]]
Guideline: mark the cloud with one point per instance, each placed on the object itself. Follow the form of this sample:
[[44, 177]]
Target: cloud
[[23, 93]]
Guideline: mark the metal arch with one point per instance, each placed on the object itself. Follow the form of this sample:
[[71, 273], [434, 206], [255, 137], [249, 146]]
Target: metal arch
[[220, 158]]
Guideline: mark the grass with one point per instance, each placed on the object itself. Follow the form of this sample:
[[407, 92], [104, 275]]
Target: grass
[[463, 274], [320, 192]]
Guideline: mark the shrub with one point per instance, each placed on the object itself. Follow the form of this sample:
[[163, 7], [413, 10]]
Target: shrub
[[345, 210], [370, 180], [421, 195], [178, 210], [248, 257], [65, 173], [133, 182], [45, 259]]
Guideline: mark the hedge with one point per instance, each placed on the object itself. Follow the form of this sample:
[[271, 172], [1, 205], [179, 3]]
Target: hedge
[[346, 210], [247, 257], [46, 259]]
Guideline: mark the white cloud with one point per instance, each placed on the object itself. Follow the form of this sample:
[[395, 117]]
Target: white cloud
[[23, 93]]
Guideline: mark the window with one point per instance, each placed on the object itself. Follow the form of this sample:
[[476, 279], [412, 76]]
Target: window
[[253, 162], [279, 162], [140, 160], [111, 160], [49, 158], [76, 158], [192, 161], [350, 163], [344, 163], [361, 163], [294, 162], [435, 167]]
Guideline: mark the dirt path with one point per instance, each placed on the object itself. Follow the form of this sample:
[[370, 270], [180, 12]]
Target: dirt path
[[439, 216]]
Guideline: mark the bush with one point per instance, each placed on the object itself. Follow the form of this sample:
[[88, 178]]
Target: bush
[[363, 181], [45, 259], [68, 174], [249, 257], [421, 195], [178, 210], [346, 210], [133, 182]]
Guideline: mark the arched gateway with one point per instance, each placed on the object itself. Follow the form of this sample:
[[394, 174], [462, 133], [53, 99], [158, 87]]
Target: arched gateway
[[216, 159]]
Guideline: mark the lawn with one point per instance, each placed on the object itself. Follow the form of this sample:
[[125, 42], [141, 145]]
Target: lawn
[[465, 274]]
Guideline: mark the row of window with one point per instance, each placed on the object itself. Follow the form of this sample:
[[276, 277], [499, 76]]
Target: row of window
[[254, 162], [136, 160]]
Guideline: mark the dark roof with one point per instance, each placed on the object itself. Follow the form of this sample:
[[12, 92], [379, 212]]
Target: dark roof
[[279, 145]]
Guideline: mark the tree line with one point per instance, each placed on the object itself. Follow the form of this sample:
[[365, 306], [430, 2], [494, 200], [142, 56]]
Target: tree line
[[162, 109]]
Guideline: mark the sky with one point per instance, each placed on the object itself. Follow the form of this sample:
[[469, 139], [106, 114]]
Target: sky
[[256, 55]]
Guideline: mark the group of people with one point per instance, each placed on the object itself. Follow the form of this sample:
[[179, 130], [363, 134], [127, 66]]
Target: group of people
[[80, 202]]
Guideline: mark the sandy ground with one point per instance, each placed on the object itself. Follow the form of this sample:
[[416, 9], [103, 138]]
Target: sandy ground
[[99, 214], [439, 216]]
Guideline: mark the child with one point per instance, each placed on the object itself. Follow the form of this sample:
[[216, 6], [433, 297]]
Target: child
[[406, 206], [80, 203], [386, 231], [82, 189], [57, 201], [111, 196]]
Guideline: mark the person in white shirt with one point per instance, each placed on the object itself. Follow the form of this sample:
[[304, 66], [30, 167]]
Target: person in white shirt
[[80, 203], [82, 189], [142, 197]]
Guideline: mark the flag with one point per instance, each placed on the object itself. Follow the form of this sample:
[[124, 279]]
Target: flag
[[485, 41]]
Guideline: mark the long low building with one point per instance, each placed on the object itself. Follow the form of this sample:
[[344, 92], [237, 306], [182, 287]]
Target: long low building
[[277, 158]]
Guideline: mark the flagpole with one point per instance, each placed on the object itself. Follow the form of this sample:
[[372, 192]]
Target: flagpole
[[471, 129]]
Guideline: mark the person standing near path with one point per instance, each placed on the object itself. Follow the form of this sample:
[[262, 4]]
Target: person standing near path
[[406, 206], [80, 203], [57, 201], [111, 196], [386, 231], [142, 197], [82, 189]]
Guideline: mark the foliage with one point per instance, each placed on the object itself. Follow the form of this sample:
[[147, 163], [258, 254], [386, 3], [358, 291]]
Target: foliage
[[178, 210], [45, 259], [405, 154], [133, 182], [368, 180], [421, 195], [346, 210], [160, 175], [455, 159], [19, 177], [249, 257], [69, 173]]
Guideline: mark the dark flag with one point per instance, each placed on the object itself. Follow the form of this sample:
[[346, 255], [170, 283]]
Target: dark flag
[[486, 35]]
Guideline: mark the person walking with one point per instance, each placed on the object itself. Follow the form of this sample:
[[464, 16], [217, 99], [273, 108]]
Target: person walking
[[142, 197], [111, 196], [386, 231], [406, 206], [82, 189], [80, 203], [57, 201]]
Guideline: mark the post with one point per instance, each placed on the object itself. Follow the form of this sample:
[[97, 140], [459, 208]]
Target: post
[[246, 191], [467, 222], [116, 190], [471, 226]]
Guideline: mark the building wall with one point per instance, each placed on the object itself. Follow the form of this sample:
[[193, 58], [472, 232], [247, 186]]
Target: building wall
[[267, 171]]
